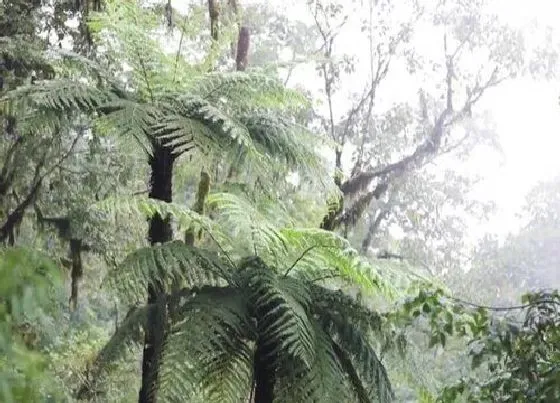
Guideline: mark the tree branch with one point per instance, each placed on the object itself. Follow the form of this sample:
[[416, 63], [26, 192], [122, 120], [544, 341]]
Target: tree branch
[[15, 217]]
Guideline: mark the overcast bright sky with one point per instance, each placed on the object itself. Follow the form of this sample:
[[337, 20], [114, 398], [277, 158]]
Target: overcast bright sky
[[527, 118], [526, 114]]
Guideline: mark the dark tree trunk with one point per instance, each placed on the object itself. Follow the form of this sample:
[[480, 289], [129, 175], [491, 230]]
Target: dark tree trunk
[[7, 229], [265, 376], [241, 59], [160, 231], [77, 271]]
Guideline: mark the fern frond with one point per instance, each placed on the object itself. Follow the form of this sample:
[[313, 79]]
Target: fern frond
[[323, 381], [145, 207], [127, 335], [170, 263], [246, 223], [29, 54], [336, 302], [321, 255], [366, 371], [280, 139], [209, 349], [245, 91], [56, 95], [282, 317], [129, 117], [221, 130]]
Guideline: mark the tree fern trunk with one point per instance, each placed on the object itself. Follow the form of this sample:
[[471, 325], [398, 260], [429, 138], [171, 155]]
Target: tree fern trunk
[[160, 231], [77, 271], [265, 376]]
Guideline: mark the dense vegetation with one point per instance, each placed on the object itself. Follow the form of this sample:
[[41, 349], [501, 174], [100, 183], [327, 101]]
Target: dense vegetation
[[181, 221]]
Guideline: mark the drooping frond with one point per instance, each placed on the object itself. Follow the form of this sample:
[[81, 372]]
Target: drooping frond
[[59, 95], [194, 120], [208, 353], [48, 105], [281, 308], [338, 303], [246, 223], [170, 263], [144, 207], [280, 139], [323, 381], [257, 138], [366, 372], [127, 117], [316, 254], [246, 91], [128, 333], [19, 50]]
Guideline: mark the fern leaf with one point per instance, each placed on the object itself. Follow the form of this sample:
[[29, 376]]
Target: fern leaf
[[127, 335], [170, 263], [323, 381], [367, 373], [282, 317], [245, 222], [318, 255], [208, 349]]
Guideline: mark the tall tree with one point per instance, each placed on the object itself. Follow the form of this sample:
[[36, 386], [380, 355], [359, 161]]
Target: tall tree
[[391, 142]]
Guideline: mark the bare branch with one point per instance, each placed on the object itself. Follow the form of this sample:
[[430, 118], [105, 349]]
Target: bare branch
[[372, 229]]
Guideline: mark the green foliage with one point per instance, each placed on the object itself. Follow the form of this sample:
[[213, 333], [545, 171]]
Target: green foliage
[[520, 360], [28, 288], [223, 310]]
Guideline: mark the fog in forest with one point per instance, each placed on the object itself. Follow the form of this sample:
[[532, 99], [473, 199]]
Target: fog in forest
[[279, 201]]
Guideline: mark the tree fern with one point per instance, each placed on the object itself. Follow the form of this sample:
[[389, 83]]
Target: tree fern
[[239, 227], [219, 317]]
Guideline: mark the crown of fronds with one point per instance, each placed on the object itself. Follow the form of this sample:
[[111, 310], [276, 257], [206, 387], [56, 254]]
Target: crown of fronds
[[319, 341], [213, 118], [241, 227]]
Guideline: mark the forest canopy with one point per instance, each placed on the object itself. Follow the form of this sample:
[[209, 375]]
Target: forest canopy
[[228, 201]]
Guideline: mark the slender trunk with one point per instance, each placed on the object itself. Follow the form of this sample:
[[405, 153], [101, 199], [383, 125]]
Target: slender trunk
[[160, 231], [201, 196], [264, 375], [77, 271], [243, 41], [329, 221]]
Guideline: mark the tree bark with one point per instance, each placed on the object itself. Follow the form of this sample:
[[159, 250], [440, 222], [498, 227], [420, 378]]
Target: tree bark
[[77, 271], [241, 59], [200, 200], [264, 375], [161, 163]]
